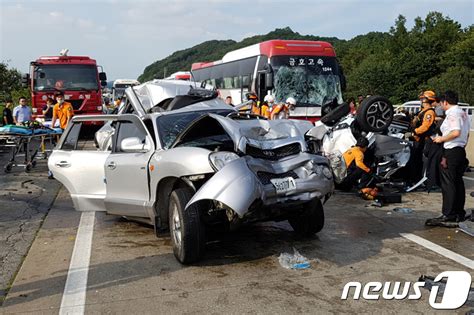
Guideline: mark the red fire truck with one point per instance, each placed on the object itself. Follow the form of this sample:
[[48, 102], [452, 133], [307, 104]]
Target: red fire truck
[[78, 77]]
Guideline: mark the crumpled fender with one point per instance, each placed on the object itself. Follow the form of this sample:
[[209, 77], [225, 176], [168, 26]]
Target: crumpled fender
[[234, 185]]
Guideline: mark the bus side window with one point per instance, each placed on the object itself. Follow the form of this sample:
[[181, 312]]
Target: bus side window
[[228, 83], [237, 83], [219, 83], [246, 81]]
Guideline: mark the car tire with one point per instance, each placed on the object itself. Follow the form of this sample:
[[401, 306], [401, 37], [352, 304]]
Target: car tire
[[336, 114], [8, 168], [186, 229], [311, 221], [375, 114], [28, 167]]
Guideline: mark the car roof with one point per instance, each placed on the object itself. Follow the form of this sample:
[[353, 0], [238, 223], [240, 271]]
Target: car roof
[[215, 104], [154, 92]]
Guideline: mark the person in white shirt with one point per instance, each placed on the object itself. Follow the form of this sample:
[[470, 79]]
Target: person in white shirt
[[455, 133]]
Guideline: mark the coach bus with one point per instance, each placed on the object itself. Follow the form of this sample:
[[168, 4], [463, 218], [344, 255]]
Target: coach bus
[[305, 70]]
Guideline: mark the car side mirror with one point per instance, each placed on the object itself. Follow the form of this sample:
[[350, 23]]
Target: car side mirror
[[134, 145], [103, 83], [102, 76]]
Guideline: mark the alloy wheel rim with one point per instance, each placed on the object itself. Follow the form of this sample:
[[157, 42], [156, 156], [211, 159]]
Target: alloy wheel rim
[[176, 225], [378, 114]]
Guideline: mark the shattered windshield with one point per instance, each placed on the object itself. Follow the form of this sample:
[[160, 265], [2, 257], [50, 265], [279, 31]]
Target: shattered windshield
[[312, 81], [170, 126]]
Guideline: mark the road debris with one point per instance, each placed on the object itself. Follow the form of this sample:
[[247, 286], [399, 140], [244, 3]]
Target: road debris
[[294, 261]]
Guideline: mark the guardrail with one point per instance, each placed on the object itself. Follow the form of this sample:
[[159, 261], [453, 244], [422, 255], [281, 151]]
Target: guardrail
[[414, 108]]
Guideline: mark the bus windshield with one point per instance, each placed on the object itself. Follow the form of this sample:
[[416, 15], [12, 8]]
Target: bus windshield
[[65, 77], [312, 81]]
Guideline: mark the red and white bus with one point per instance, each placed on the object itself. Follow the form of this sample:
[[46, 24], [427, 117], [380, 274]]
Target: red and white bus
[[305, 70]]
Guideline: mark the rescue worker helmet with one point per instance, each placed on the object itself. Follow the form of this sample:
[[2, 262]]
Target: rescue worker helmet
[[291, 101], [428, 95], [252, 97], [269, 98]]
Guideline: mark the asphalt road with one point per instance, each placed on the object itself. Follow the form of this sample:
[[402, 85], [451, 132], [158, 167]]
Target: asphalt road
[[25, 199], [132, 271]]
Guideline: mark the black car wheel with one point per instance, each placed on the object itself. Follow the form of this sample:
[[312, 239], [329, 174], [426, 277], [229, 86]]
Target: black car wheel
[[186, 228], [309, 222], [8, 168], [375, 114]]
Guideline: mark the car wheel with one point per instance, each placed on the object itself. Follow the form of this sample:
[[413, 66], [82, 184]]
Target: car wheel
[[336, 114], [311, 221], [8, 168], [375, 114], [28, 167], [186, 228]]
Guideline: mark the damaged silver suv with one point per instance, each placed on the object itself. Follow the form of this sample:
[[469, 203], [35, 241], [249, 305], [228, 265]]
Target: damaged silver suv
[[191, 163]]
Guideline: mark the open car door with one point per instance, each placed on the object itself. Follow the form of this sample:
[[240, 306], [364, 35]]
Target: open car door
[[79, 164]]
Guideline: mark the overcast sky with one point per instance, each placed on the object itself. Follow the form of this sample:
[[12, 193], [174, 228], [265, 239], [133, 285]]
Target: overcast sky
[[125, 36]]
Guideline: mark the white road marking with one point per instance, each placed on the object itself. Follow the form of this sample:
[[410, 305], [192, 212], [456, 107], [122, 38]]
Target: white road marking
[[74, 295], [468, 178], [440, 250]]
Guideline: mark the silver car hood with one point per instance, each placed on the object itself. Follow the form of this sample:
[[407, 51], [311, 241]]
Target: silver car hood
[[264, 134]]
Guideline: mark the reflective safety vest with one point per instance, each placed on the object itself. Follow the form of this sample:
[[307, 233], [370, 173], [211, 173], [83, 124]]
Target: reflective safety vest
[[425, 124]]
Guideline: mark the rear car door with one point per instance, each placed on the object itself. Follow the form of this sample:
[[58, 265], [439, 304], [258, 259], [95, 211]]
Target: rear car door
[[127, 170], [78, 162]]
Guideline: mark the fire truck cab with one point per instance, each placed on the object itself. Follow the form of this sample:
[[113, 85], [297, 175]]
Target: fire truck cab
[[78, 77]]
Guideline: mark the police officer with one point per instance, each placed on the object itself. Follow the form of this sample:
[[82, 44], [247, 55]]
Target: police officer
[[455, 132]]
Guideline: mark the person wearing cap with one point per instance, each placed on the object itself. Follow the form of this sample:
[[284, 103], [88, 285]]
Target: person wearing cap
[[424, 121], [62, 111], [455, 133], [254, 106], [282, 111], [424, 126], [356, 168]]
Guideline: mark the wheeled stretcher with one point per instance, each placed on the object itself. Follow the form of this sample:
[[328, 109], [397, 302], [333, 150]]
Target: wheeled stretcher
[[21, 139]]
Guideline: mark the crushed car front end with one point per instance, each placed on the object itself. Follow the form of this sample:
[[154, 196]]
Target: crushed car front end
[[269, 176]]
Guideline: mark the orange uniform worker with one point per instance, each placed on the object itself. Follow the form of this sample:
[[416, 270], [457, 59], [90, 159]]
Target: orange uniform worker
[[356, 168], [62, 110], [282, 111], [425, 120], [267, 106]]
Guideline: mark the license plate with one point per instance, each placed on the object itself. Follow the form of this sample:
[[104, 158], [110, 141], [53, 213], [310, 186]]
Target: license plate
[[283, 185]]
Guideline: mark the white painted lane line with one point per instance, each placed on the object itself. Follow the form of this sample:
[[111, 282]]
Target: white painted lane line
[[468, 178], [74, 295], [440, 250]]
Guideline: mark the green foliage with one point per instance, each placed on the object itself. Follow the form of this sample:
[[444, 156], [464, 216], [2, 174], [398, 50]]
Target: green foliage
[[9, 81], [435, 54]]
